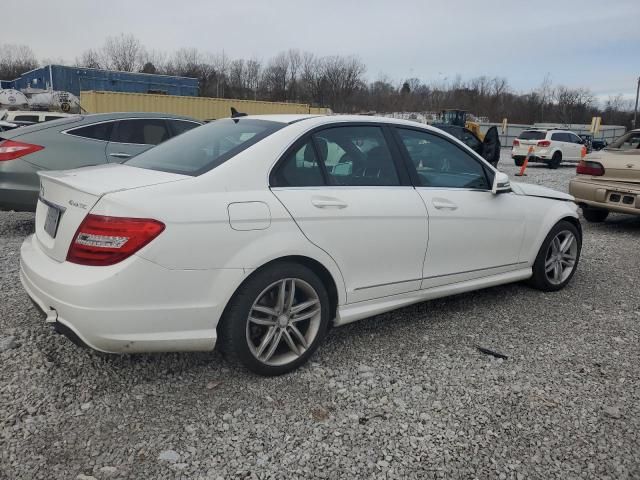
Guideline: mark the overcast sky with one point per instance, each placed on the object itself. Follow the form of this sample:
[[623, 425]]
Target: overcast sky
[[592, 44]]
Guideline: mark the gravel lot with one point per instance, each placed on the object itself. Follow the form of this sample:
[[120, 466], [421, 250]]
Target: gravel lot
[[401, 395]]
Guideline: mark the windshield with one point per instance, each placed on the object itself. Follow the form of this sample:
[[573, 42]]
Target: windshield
[[628, 141], [206, 147], [532, 135]]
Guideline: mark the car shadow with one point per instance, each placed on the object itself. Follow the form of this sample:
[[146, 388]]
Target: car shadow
[[617, 222]]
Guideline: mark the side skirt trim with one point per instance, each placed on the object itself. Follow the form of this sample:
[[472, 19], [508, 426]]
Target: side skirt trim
[[357, 311]]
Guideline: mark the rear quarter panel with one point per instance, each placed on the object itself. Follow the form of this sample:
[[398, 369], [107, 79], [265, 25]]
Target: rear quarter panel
[[199, 234]]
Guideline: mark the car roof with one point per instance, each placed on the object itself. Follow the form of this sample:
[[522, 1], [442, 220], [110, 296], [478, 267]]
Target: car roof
[[317, 120], [120, 115]]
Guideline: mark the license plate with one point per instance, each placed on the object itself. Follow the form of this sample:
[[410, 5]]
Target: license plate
[[51, 222]]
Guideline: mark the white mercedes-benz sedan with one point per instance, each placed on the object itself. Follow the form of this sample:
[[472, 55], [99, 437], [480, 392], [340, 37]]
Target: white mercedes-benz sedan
[[258, 233]]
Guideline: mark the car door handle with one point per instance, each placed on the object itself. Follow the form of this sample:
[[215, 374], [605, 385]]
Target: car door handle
[[441, 204], [120, 155], [327, 202]]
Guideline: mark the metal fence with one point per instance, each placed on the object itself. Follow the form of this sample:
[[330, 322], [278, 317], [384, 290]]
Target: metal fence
[[606, 132]]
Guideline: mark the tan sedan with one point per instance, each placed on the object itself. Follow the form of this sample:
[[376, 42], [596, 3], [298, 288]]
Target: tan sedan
[[609, 180]]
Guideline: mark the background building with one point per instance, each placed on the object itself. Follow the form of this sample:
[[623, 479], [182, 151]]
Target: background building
[[76, 79]]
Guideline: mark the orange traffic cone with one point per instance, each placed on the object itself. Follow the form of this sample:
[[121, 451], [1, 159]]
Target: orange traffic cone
[[526, 162]]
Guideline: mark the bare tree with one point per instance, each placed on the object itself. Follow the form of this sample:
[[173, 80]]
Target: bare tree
[[253, 74], [90, 59], [16, 60], [572, 104], [123, 53], [545, 92]]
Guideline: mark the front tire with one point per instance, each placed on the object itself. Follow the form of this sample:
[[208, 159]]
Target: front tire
[[276, 319], [557, 258], [595, 215]]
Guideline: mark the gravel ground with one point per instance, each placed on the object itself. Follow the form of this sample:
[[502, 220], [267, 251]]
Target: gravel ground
[[401, 395]]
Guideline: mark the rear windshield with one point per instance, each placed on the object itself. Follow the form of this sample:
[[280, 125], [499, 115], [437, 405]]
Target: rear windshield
[[532, 135], [628, 141], [204, 148]]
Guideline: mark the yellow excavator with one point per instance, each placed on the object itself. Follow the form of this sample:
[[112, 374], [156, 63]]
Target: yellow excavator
[[459, 118], [455, 122]]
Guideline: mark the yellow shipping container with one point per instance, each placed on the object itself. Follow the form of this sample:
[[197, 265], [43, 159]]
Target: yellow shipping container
[[201, 108]]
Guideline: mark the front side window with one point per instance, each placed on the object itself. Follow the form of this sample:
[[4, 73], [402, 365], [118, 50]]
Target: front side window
[[97, 131], [202, 149], [356, 156], [141, 131], [557, 137], [574, 138], [440, 163]]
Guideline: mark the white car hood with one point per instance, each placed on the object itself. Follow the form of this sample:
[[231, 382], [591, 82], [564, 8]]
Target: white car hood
[[539, 191]]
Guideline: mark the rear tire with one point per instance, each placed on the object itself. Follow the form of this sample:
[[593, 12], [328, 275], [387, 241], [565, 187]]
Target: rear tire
[[595, 215], [557, 261], [260, 328], [518, 161], [555, 161]]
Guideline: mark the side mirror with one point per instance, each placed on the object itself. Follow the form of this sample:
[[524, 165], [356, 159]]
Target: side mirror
[[500, 183]]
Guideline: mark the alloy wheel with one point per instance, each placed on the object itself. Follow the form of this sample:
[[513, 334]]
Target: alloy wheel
[[283, 322], [560, 259]]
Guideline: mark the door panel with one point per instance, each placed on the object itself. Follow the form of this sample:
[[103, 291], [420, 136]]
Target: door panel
[[376, 235], [470, 231], [491, 146], [343, 187]]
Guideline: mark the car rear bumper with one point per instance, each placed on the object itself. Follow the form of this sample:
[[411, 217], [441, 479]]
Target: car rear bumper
[[616, 197], [133, 306]]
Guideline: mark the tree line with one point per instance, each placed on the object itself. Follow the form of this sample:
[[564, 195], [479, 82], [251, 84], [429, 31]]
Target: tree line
[[338, 82]]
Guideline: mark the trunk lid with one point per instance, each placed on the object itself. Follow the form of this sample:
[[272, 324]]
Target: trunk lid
[[62, 122], [66, 197], [619, 165]]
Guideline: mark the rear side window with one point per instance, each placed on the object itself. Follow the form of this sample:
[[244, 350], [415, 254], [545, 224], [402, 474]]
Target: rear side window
[[97, 131], [27, 118], [356, 156], [532, 135], [202, 149], [48, 118], [558, 137], [299, 169], [145, 131]]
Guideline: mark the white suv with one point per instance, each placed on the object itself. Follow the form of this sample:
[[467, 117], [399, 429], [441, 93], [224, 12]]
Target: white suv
[[549, 146], [31, 116]]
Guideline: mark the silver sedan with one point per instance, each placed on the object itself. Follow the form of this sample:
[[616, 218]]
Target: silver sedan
[[74, 142]]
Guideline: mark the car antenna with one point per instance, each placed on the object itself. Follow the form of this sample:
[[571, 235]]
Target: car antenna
[[237, 114]]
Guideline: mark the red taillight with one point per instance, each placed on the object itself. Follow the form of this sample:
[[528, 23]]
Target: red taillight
[[10, 150], [590, 168], [544, 143], [102, 240], [516, 143]]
